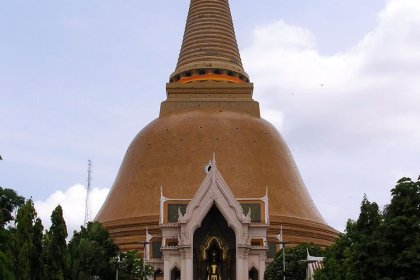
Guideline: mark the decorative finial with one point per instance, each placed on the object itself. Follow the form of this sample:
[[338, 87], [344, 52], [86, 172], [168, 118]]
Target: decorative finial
[[180, 216], [209, 166], [280, 235], [148, 235], [214, 158], [248, 216]]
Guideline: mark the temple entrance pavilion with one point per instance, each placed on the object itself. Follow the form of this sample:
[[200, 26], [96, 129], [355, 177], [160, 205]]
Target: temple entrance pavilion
[[214, 248]]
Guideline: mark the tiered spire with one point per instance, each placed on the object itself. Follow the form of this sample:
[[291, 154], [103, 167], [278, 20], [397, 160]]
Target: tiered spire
[[209, 50]]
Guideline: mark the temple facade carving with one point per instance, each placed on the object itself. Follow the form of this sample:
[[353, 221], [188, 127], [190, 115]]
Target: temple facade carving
[[214, 238]]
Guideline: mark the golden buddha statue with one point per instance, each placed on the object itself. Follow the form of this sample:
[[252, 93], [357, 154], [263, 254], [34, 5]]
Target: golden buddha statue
[[213, 270]]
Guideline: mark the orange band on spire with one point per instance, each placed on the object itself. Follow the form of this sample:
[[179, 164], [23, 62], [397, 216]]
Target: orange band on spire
[[210, 77]]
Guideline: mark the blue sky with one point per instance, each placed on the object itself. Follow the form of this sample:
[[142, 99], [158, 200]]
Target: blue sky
[[79, 79]]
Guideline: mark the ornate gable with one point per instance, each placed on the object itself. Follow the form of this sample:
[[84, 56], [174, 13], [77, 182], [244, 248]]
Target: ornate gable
[[214, 191]]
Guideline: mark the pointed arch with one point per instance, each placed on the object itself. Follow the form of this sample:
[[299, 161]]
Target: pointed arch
[[158, 274], [214, 239], [214, 191], [175, 273], [214, 243], [253, 274]]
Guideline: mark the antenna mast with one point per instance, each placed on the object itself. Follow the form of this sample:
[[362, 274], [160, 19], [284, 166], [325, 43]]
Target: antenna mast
[[87, 205]]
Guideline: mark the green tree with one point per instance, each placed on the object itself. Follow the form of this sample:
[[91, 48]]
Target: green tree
[[6, 255], [131, 267], [24, 251], [6, 266], [9, 201], [295, 269], [92, 253], [24, 240], [357, 253], [366, 238], [401, 231], [56, 252], [37, 263], [337, 259], [379, 245]]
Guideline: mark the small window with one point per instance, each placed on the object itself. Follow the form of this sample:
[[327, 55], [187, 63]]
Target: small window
[[172, 243], [255, 211], [201, 72], [272, 250], [173, 212], [217, 71], [157, 254]]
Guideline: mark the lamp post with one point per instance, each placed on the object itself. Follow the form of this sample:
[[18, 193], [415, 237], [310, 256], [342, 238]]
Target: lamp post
[[283, 243], [144, 258], [118, 266]]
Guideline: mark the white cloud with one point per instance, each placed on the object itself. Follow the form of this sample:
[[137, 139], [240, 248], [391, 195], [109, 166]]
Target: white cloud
[[73, 202], [353, 117]]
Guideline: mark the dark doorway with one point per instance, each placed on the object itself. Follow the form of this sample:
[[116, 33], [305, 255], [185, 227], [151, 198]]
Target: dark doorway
[[158, 274], [175, 274], [253, 274], [214, 248]]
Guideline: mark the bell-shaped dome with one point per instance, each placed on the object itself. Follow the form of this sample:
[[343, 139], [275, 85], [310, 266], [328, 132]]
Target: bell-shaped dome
[[172, 151]]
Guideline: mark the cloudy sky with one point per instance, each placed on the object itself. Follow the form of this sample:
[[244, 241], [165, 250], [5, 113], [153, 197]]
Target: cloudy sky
[[339, 79]]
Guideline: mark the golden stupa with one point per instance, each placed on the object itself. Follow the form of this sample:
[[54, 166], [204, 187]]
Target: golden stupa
[[209, 109]]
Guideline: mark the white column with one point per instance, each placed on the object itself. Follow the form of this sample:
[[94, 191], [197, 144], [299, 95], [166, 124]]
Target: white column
[[239, 266], [166, 268], [242, 263], [183, 266], [189, 263], [261, 269], [246, 265]]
